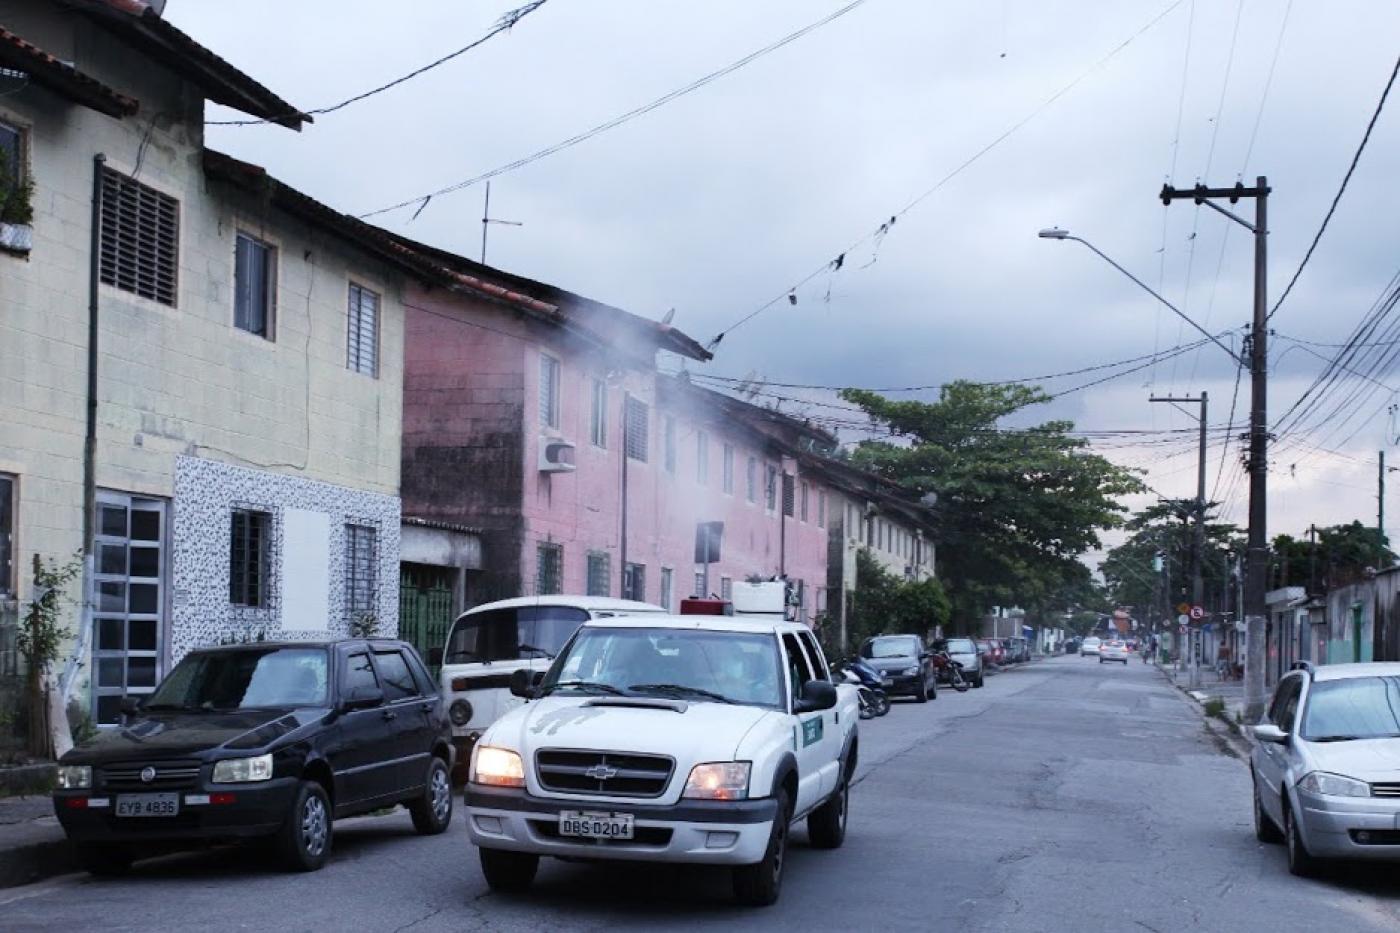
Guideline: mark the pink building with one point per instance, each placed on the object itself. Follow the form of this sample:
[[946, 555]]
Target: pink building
[[518, 409]]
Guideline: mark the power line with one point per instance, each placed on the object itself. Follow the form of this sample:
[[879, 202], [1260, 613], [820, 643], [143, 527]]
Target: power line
[[1366, 137], [423, 199], [790, 294], [1268, 83], [502, 25]]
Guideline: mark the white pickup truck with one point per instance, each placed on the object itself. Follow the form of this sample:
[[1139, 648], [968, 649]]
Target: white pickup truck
[[691, 739]]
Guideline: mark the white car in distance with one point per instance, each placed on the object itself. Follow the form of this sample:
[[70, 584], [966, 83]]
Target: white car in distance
[[1089, 647], [1113, 651], [684, 739]]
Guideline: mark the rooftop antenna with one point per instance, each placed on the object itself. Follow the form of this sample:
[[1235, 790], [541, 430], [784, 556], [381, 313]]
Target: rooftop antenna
[[487, 220]]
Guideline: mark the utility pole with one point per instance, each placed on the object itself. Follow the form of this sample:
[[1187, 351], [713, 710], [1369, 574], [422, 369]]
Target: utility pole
[[1380, 514], [1198, 538], [1312, 560], [1257, 565]]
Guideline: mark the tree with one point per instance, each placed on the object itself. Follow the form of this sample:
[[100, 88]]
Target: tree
[[1342, 555], [886, 604], [1017, 508], [1164, 531], [39, 639]]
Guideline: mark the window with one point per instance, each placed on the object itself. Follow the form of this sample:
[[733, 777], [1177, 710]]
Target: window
[[770, 487], [821, 508], [549, 391], [751, 479], [549, 569], [11, 160], [638, 426], [247, 571], [598, 423], [699, 589], [1285, 703], [599, 574], [254, 285], [670, 441], [140, 238], [362, 340], [726, 588], [359, 673], [702, 457], [727, 469], [512, 634], [667, 585], [798, 670], [7, 535], [634, 582], [361, 570], [806, 491], [818, 661], [398, 679], [789, 494]]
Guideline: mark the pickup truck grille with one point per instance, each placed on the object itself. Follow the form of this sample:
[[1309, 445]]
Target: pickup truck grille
[[169, 775], [613, 774]]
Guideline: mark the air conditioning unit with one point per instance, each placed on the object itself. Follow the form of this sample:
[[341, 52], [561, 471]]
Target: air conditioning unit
[[556, 455]]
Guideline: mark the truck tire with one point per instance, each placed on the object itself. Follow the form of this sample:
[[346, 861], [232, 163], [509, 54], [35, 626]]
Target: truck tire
[[759, 885], [432, 810], [509, 872], [826, 827]]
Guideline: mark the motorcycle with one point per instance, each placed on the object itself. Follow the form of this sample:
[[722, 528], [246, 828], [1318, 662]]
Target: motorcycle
[[954, 669], [870, 686]]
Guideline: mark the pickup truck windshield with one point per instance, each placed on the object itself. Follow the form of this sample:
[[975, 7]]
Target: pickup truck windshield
[[512, 634], [684, 664], [245, 678]]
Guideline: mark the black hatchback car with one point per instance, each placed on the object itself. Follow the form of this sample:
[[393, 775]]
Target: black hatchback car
[[266, 740], [905, 660]]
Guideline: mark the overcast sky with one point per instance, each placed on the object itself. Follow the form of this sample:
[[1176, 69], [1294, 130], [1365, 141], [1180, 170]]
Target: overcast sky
[[721, 200]]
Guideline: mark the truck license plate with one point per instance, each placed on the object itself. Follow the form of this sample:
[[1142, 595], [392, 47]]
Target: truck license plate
[[595, 825], [148, 804]]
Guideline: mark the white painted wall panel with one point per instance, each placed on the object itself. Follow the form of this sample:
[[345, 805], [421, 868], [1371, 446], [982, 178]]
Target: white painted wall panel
[[306, 570]]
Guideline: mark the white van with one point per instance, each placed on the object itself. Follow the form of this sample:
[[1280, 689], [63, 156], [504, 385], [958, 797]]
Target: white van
[[486, 644]]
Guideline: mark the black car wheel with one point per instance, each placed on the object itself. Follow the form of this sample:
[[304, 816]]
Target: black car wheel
[[826, 827], [979, 679], [759, 885], [921, 690], [432, 811], [305, 839], [105, 860], [509, 872]]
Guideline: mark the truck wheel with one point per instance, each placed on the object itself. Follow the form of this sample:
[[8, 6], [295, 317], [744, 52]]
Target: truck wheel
[[432, 810], [510, 872], [827, 825], [759, 885], [107, 861], [304, 842]]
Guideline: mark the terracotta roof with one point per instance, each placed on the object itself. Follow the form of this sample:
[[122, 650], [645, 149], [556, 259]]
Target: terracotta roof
[[220, 81], [254, 180], [61, 77]]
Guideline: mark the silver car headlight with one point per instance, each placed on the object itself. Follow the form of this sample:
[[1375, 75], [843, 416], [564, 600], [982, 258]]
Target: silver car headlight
[[243, 770], [1333, 785], [911, 671], [74, 777]]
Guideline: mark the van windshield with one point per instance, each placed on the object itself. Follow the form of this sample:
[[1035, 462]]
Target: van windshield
[[512, 634]]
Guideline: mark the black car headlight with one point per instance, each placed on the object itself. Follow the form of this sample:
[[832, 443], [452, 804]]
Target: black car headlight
[[460, 712]]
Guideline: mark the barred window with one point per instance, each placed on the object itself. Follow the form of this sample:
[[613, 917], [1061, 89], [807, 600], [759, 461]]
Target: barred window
[[789, 494], [362, 332], [361, 569], [549, 569], [248, 544], [638, 426], [599, 574], [140, 238]]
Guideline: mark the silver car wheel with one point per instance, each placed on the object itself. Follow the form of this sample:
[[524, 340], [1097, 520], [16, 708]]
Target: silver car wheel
[[442, 794], [314, 825]]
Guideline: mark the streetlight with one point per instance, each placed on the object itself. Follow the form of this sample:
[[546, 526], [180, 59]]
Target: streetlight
[[1055, 233]]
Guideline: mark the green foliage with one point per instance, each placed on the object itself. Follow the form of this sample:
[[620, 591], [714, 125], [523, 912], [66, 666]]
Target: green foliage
[[41, 634], [1082, 623], [1341, 556], [80, 724], [16, 198], [1166, 529], [887, 604], [1215, 706], [364, 625], [1017, 508]]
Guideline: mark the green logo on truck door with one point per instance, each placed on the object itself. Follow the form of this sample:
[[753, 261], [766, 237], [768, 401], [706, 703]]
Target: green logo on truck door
[[811, 731]]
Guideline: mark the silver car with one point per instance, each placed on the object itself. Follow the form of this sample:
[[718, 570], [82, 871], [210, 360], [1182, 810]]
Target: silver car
[[1326, 766]]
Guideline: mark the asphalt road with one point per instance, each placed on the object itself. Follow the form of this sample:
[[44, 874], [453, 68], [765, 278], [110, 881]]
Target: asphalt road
[[1066, 795]]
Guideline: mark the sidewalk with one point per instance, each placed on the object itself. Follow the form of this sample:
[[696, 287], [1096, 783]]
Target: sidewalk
[[1212, 687], [32, 844]]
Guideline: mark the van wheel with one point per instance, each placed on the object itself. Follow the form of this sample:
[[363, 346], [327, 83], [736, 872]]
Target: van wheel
[[509, 872], [827, 825], [432, 810], [304, 842], [759, 885]]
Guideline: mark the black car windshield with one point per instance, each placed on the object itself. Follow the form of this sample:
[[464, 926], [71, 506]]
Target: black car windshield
[[894, 646], [245, 678], [684, 664], [512, 634], [1355, 708]]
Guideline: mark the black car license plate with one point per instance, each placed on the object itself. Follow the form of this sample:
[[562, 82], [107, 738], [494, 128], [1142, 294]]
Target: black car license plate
[[148, 805]]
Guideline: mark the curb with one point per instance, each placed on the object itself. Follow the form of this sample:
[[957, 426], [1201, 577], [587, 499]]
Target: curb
[[1223, 730], [36, 861]]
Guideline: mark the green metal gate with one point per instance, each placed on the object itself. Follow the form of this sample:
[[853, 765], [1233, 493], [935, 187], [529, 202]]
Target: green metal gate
[[425, 606]]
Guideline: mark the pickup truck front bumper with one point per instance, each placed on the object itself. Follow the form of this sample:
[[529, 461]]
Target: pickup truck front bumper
[[713, 832]]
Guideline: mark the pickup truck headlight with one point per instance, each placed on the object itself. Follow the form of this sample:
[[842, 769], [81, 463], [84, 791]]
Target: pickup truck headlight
[[243, 770], [74, 777], [498, 767], [1333, 785], [719, 780]]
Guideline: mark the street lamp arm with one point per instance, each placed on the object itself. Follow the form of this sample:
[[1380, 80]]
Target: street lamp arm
[[1147, 288]]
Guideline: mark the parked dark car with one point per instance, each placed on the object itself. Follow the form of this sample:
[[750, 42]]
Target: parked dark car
[[906, 661], [993, 654], [266, 740]]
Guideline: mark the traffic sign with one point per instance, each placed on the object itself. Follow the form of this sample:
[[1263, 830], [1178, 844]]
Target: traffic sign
[[1183, 608], [1198, 613], [1182, 620]]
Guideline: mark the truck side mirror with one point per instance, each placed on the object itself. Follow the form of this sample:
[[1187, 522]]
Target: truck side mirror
[[817, 695]]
